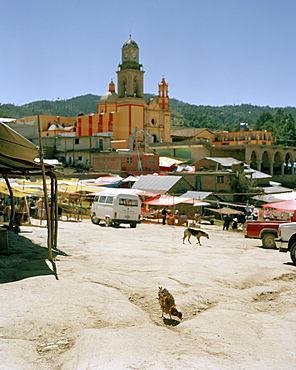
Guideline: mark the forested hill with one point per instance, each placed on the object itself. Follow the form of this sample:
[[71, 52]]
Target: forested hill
[[227, 117]]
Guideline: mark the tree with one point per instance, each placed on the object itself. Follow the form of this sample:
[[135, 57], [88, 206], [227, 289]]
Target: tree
[[265, 121], [278, 116], [3, 113], [237, 127], [286, 132], [241, 185], [226, 127]]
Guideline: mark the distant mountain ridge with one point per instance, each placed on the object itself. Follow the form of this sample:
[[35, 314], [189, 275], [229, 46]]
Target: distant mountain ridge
[[182, 114]]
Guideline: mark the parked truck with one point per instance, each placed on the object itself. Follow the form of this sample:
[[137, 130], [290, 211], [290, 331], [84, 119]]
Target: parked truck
[[286, 240], [267, 231]]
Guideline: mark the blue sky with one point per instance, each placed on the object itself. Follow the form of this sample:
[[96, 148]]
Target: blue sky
[[211, 52]]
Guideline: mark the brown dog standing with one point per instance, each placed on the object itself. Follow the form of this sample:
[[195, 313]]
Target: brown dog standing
[[194, 232]]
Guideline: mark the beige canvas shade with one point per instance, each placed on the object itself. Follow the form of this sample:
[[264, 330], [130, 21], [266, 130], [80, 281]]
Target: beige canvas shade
[[14, 145], [16, 192], [225, 210]]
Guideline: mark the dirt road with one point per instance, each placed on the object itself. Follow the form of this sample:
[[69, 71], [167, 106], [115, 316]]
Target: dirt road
[[97, 307]]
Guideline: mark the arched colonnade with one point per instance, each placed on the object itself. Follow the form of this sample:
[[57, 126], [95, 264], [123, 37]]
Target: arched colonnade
[[271, 160]]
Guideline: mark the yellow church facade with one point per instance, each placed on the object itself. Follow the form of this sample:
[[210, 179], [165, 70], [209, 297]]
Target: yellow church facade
[[126, 113], [126, 116]]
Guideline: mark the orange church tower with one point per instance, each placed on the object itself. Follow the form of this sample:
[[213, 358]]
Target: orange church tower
[[163, 95]]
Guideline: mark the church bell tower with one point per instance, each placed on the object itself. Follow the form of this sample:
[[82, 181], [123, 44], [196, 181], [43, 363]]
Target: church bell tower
[[130, 76]]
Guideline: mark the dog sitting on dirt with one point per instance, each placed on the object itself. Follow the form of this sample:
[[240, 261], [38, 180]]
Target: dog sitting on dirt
[[194, 232]]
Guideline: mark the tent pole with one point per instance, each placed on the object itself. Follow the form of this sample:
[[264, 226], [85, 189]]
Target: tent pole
[[48, 218]]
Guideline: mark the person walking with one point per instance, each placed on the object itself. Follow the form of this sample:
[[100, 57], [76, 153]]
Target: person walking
[[40, 209], [226, 223], [164, 214]]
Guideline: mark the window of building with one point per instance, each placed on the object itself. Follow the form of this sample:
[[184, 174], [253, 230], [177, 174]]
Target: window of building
[[76, 141], [151, 160], [129, 160], [220, 179], [80, 158]]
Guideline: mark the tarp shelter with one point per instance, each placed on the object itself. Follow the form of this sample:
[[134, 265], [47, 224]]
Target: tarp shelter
[[225, 210], [17, 192], [286, 196], [17, 159], [109, 181], [195, 202], [123, 191], [285, 205], [77, 187], [166, 200]]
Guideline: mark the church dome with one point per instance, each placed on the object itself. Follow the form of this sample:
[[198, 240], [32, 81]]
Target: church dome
[[109, 97], [131, 43]]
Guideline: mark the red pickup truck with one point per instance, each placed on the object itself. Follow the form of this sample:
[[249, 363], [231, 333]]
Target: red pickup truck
[[264, 230]]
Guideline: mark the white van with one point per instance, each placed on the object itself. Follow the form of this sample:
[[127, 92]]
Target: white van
[[116, 208]]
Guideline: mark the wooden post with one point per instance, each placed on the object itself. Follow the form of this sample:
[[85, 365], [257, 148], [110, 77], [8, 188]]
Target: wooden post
[[54, 211], [48, 218]]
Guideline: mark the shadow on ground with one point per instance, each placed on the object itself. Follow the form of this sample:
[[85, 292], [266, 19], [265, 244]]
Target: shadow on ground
[[25, 259]]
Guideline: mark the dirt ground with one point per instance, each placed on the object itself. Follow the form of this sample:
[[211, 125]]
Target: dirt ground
[[96, 307]]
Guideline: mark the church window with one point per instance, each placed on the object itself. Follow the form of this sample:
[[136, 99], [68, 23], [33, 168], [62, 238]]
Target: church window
[[135, 87], [124, 87], [153, 121]]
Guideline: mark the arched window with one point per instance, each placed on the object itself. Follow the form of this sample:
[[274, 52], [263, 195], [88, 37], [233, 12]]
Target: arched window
[[135, 86], [124, 87]]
